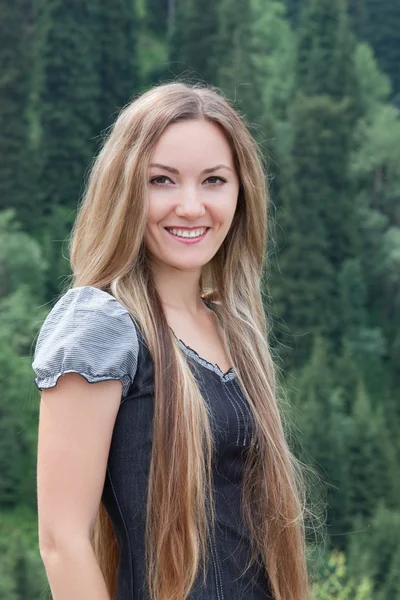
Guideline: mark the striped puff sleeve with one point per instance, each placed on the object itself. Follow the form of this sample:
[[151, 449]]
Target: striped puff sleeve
[[87, 332]]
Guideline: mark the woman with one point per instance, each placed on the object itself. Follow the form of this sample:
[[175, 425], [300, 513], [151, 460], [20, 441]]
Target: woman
[[160, 440]]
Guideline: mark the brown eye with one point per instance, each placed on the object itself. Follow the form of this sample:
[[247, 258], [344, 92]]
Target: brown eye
[[215, 180], [160, 180]]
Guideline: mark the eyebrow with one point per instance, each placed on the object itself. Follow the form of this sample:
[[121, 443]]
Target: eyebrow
[[176, 172]]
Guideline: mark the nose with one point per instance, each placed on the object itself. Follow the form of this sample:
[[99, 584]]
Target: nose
[[190, 204]]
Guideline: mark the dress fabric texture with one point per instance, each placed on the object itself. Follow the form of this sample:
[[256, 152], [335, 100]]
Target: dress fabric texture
[[89, 332]]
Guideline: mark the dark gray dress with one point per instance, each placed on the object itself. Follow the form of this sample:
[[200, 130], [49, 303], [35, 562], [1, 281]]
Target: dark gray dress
[[89, 332]]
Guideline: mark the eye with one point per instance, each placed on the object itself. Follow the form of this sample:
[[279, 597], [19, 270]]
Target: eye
[[160, 180], [215, 180]]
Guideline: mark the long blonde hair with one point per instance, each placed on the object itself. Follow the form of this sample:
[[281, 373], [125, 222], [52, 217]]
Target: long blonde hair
[[107, 252]]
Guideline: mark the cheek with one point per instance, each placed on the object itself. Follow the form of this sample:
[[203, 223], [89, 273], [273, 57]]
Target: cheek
[[153, 218], [224, 213], [156, 211]]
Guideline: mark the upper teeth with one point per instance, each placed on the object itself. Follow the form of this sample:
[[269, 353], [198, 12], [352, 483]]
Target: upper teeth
[[189, 233]]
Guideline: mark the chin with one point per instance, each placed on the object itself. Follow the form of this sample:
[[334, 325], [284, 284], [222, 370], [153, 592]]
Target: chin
[[188, 265], [178, 260], [185, 263]]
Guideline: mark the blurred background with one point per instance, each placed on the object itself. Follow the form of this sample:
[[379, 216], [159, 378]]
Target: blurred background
[[318, 82]]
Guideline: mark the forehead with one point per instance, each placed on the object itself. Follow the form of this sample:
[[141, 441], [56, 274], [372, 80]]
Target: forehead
[[193, 142]]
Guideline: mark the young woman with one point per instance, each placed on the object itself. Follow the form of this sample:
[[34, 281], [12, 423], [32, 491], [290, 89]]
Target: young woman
[[163, 470]]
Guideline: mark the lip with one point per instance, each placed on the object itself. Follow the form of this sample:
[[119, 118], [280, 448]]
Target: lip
[[188, 240], [188, 228]]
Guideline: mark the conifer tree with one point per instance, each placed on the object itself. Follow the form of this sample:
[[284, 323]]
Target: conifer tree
[[326, 67], [303, 280], [21, 571], [391, 589], [68, 51], [318, 218], [374, 167], [15, 69], [194, 42], [378, 23], [273, 50], [118, 63], [323, 427], [158, 15], [212, 42], [293, 10], [352, 298], [10, 449], [371, 458], [364, 345], [326, 51], [236, 69], [88, 61], [374, 549]]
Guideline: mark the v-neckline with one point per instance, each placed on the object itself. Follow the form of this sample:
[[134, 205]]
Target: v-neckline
[[229, 374]]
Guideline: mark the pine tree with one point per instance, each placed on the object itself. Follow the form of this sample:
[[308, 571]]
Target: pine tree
[[391, 589], [193, 45], [363, 345], [10, 450], [303, 279], [89, 71], [374, 549], [68, 51], [374, 166], [317, 216], [371, 459], [212, 42], [326, 67], [378, 23], [236, 68], [323, 427], [15, 82], [158, 15], [21, 571], [326, 51], [119, 64], [293, 10], [273, 50], [352, 298]]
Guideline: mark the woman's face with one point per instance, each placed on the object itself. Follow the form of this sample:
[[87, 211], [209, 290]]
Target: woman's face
[[193, 191]]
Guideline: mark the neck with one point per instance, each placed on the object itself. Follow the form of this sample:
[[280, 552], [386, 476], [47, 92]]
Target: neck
[[178, 290]]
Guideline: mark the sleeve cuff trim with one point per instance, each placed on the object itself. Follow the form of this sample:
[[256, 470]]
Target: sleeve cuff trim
[[44, 382]]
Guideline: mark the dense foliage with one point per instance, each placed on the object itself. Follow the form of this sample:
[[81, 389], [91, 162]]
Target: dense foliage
[[318, 82]]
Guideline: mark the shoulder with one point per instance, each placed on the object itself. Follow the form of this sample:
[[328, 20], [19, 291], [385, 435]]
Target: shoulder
[[87, 331], [88, 298], [87, 310]]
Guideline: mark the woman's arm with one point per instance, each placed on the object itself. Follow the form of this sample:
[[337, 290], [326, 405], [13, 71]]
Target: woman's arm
[[75, 429], [73, 572]]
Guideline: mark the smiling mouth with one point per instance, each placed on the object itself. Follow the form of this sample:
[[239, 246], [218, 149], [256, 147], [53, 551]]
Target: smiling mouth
[[191, 234]]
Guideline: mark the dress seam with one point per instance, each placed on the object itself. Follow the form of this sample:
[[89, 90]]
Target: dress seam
[[237, 404], [215, 560], [217, 569], [125, 527], [234, 406], [247, 409]]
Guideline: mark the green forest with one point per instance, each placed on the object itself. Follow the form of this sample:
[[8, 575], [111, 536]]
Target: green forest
[[318, 82]]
